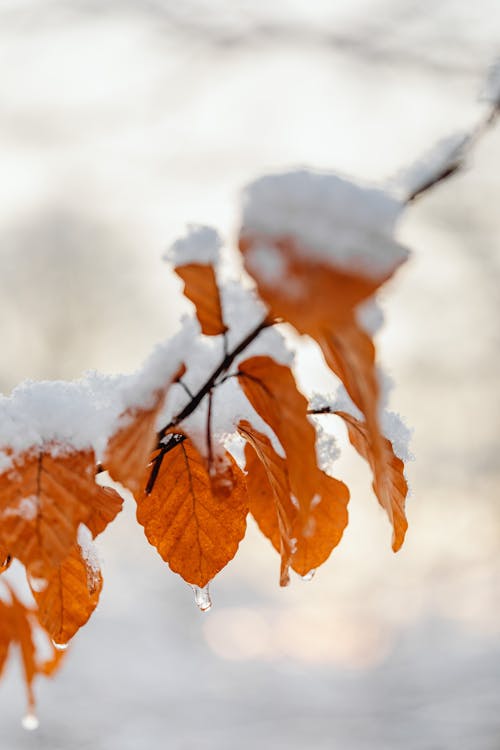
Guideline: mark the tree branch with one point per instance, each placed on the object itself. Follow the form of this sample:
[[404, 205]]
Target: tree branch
[[210, 382]]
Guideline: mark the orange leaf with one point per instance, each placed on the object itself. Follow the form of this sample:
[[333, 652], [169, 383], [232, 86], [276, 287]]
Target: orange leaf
[[273, 393], [195, 521], [200, 286], [5, 561], [5, 634], [269, 494], [22, 624], [43, 499], [304, 538], [321, 301], [129, 449], [309, 293], [389, 483], [69, 598]]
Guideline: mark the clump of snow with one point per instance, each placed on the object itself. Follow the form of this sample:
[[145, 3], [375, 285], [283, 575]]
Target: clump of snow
[[370, 316], [82, 414], [330, 219], [491, 90], [201, 244], [235, 444], [327, 449], [26, 508], [89, 554], [395, 430], [444, 157], [392, 424], [267, 261]]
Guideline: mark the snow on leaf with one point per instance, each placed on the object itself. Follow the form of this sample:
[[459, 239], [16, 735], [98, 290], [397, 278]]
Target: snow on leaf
[[70, 597], [329, 220], [310, 292], [389, 483], [128, 451], [200, 286], [195, 520], [62, 494]]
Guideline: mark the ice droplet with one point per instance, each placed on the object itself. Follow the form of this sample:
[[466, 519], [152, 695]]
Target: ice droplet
[[30, 722], [60, 646], [202, 598], [310, 575]]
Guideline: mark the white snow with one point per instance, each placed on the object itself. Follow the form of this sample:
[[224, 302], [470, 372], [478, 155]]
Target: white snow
[[201, 244], [331, 219], [491, 91], [26, 508], [447, 154], [370, 316], [392, 424], [89, 553], [267, 261], [82, 414], [327, 448]]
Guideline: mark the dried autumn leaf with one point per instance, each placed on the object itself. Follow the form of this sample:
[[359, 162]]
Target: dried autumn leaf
[[5, 561], [307, 538], [200, 286], [309, 293], [350, 353], [70, 596], [195, 521], [5, 634], [321, 300], [23, 623], [389, 483], [269, 494], [43, 499], [128, 451], [271, 389]]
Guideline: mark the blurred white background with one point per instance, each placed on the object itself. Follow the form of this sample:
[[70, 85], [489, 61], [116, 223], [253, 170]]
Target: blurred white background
[[119, 123]]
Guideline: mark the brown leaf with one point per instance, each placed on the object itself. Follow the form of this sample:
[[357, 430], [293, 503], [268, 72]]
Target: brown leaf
[[309, 293], [304, 538], [69, 598], [195, 521], [269, 494], [389, 483], [22, 624], [5, 634], [321, 301], [43, 499], [5, 561], [273, 393], [128, 451], [200, 286]]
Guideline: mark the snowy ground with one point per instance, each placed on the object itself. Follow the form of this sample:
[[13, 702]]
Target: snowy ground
[[119, 122]]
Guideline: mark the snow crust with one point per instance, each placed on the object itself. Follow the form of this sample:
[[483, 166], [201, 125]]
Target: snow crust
[[392, 424], [491, 91], [446, 155], [330, 218], [200, 244], [229, 403], [82, 414], [89, 553]]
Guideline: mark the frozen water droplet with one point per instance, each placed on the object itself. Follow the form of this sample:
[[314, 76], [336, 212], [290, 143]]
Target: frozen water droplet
[[30, 722], [202, 598], [309, 576], [60, 646]]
